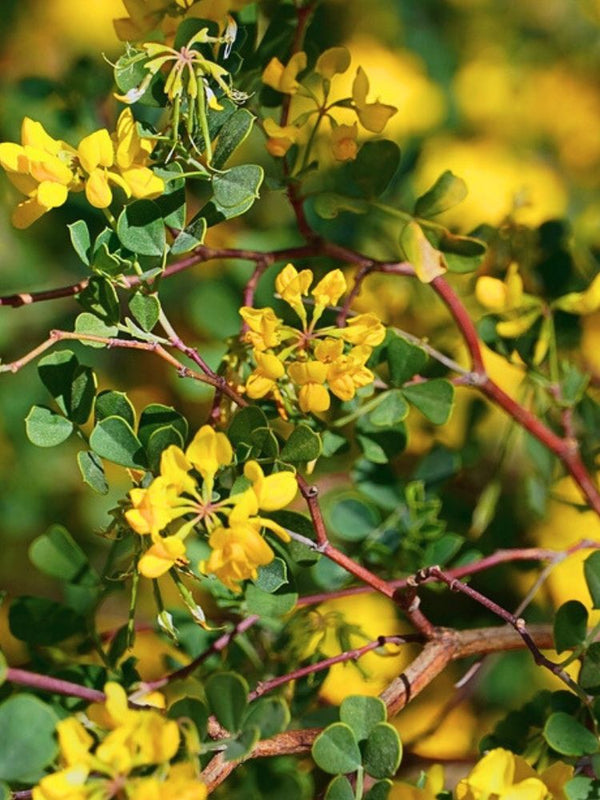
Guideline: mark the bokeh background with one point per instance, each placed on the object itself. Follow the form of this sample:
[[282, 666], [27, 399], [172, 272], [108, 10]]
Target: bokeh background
[[505, 94]]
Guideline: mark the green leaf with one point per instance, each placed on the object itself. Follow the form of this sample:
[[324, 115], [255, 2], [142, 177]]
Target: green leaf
[[244, 423], [27, 742], [335, 750], [581, 788], [589, 674], [447, 192], [434, 399], [362, 713], [89, 324], [172, 201], [160, 439], [427, 260], [591, 571], [57, 554], [193, 709], [383, 447], [351, 517], [381, 791], [383, 751], [192, 236], [332, 442], [273, 576], [92, 471], [39, 621], [405, 360], [242, 746], [145, 309], [81, 241], [232, 134], [156, 416], [266, 604], [270, 715], [114, 439], [45, 428], [390, 410], [100, 298], [375, 166], [329, 204], [114, 404], [340, 788], [234, 192], [441, 551], [227, 695], [570, 625], [72, 385], [302, 445], [568, 737], [141, 228]]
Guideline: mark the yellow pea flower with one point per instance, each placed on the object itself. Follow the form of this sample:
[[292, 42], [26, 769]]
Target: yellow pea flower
[[581, 302], [153, 508], [182, 783], [311, 377], [75, 742], [328, 350], [333, 61], [496, 775], [164, 554], [364, 329], [499, 296], [274, 491], [283, 78], [209, 451], [66, 784], [42, 168], [263, 327], [372, 116], [264, 378], [343, 142], [434, 784], [236, 553], [330, 288], [293, 286], [281, 138], [348, 373]]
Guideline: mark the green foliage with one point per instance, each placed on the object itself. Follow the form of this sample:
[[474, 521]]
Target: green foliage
[[27, 742]]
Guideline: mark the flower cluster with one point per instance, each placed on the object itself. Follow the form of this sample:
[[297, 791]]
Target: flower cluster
[[46, 169], [343, 138], [310, 363], [177, 501], [130, 750]]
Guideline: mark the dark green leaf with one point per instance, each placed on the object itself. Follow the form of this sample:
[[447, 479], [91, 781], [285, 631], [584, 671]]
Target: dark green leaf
[[100, 299], [45, 428], [446, 192], [243, 424], [81, 241], [114, 404], [27, 742], [302, 445], [362, 713], [141, 228], [335, 750], [114, 439], [568, 736], [375, 166], [172, 201], [72, 385], [350, 517], [405, 360], [381, 791], [391, 410], [444, 549], [241, 746], [160, 439], [156, 416], [92, 471], [332, 442], [192, 236], [234, 193], [270, 715], [266, 604], [39, 621], [57, 554], [589, 674], [193, 709], [145, 309], [232, 134], [383, 751], [339, 789], [591, 570], [434, 399], [227, 695], [570, 625]]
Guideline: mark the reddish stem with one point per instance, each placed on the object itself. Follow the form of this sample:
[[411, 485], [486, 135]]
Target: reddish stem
[[55, 685]]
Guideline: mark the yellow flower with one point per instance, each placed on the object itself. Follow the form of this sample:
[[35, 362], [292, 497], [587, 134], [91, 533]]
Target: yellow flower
[[581, 302], [41, 168], [499, 296], [434, 784], [343, 142], [293, 286], [283, 79], [164, 554], [182, 783], [236, 553], [372, 116], [274, 491], [263, 327], [330, 288], [75, 742], [280, 138], [209, 451], [348, 373], [66, 784], [264, 378], [153, 508], [311, 377], [500, 774], [328, 350], [364, 329], [333, 61]]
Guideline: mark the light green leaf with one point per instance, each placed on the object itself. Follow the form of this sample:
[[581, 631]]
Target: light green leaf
[[362, 713], [568, 736], [447, 192], [27, 742], [141, 228], [336, 751], [383, 751], [428, 262], [81, 241], [145, 309], [45, 428], [113, 439]]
